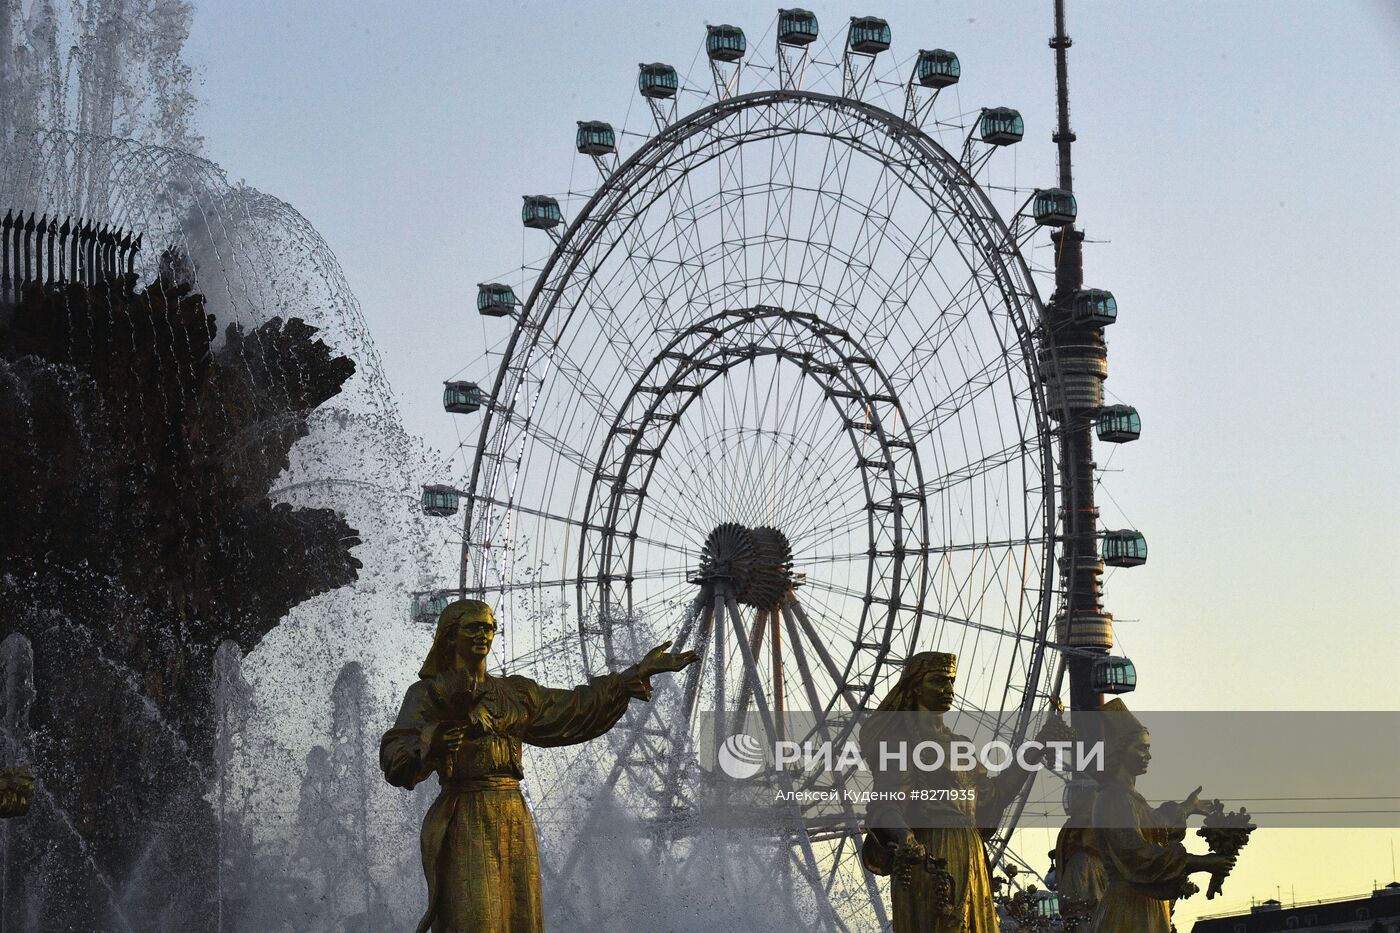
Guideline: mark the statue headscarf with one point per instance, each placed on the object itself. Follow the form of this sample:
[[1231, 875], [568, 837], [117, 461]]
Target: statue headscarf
[[1120, 727], [916, 668], [442, 655], [902, 697]]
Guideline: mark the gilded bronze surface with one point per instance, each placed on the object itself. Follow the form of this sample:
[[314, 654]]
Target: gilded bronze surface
[[478, 843], [1079, 876], [942, 883], [1146, 865]]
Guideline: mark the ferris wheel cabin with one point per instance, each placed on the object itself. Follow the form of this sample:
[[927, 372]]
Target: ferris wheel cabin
[[1114, 675], [426, 607], [595, 138], [1124, 549], [725, 43], [657, 81], [494, 299], [937, 68], [868, 35], [461, 398], [1054, 207], [541, 212], [1118, 424], [1094, 307], [1002, 126], [797, 27], [440, 501]]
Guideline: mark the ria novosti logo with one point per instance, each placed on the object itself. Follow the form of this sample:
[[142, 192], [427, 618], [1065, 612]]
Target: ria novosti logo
[[741, 756]]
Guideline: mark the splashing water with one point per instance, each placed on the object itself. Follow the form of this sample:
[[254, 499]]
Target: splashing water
[[96, 121]]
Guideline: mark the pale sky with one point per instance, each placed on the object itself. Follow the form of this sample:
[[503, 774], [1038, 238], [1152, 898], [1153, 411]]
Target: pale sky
[[1236, 175]]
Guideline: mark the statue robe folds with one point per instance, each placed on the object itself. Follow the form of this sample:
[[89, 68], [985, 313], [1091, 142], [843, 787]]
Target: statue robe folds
[[1080, 878], [479, 849], [1143, 859], [947, 827]]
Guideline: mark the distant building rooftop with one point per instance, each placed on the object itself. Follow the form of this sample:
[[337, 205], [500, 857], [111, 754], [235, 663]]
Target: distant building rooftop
[[1378, 912]]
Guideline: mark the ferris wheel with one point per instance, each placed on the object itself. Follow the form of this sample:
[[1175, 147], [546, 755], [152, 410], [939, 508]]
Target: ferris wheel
[[779, 393]]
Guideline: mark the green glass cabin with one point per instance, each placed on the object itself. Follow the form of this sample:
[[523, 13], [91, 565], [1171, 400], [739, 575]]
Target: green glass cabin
[[1124, 549], [461, 398], [868, 35], [1002, 126], [426, 607], [494, 299], [1114, 675], [1118, 424], [937, 68], [595, 138], [440, 501], [1094, 307], [725, 43], [1054, 207], [541, 212], [797, 27], [657, 81]]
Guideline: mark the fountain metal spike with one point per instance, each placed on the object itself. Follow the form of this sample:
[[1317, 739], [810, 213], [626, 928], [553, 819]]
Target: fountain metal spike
[[5, 226], [38, 249]]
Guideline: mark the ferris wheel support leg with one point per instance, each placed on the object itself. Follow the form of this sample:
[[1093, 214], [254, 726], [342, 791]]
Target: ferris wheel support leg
[[775, 641], [691, 691], [808, 865], [719, 672], [828, 662], [852, 821], [746, 690]]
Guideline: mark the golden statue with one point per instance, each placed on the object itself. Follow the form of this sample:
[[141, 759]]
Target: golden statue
[[16, 789], [478, 843], [941, 879], [1079, 874], [1143, 858]]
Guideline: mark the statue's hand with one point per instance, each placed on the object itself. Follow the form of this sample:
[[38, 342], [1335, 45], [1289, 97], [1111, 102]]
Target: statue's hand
[[447, 739], [659, 660], [909, 857], [1192, 805], [1055, 729], [1214, 863]]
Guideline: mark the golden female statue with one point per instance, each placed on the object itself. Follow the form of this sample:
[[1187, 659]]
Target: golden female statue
[[478, 843], [1143, 858], [1079, 875], [906, 837]]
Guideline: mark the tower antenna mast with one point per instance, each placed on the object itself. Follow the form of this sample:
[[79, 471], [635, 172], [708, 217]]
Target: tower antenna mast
[[1083, 626]]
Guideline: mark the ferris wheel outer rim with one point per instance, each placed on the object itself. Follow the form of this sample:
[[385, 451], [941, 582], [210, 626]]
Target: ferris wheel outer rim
[[1008, 262]]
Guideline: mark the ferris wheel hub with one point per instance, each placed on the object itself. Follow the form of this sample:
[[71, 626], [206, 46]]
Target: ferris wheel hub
[[754, 563]]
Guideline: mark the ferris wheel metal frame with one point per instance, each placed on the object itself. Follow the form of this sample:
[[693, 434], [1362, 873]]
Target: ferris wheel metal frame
[[895, 602]]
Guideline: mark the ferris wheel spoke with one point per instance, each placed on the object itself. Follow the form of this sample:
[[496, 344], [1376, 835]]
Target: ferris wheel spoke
[[855, 278], [799, 623], [783, 170], [750, 685], [977, 470], [576, 523], [574, 581], [838, 486], [961, 301]]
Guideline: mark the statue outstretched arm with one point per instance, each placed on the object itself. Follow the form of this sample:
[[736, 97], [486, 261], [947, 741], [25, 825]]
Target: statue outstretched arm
[[1119, 834], [567, 717], [1174, 815]]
